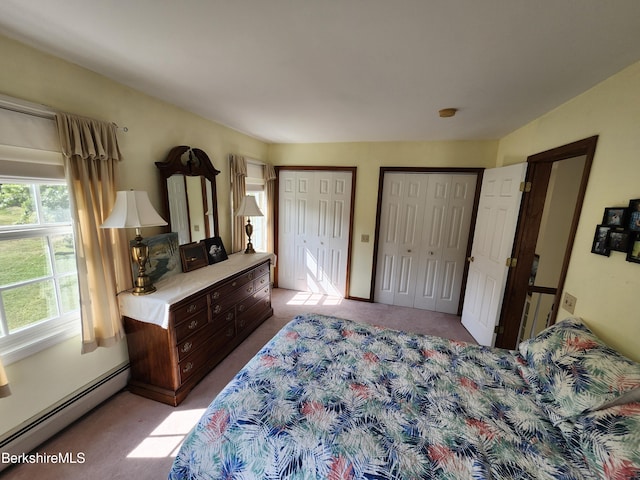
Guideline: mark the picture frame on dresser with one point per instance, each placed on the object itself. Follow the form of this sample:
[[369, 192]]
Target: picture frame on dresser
[[215, 250], [193, 256], [164, 256]]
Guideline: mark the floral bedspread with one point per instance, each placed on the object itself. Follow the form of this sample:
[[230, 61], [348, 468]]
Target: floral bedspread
[[328, 398]]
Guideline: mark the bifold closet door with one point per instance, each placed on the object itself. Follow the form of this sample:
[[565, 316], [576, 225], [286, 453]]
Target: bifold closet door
[[423, 236], [313, 230]]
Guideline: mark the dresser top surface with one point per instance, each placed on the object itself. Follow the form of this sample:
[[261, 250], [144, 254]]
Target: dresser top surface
[[154, 308]]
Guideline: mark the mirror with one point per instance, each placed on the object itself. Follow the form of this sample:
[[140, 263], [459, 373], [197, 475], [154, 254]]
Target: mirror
[[188, 183]]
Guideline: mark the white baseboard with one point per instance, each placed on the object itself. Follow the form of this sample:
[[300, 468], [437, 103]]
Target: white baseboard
[[40, 428]]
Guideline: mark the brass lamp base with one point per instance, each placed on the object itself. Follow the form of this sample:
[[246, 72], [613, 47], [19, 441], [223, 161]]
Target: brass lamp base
[[143, 286], [248, 229], [140, 253]]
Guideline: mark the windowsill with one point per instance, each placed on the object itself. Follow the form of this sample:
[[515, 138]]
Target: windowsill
[[30, 341]]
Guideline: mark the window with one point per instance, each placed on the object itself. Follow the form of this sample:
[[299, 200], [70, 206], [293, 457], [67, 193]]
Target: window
[[255, 185], [39, 298]]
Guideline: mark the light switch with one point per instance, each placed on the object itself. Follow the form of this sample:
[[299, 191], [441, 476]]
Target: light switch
[[364, 238], [569, 302]]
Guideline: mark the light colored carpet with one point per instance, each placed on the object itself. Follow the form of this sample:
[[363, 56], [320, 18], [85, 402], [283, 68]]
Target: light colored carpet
[[131, 437]]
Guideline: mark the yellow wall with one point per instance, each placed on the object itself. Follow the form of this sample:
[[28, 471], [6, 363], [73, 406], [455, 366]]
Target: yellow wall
[[154, 128], [606, 287], [368, 157]]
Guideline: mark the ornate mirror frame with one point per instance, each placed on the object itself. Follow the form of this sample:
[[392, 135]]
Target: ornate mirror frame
[[190, 162]]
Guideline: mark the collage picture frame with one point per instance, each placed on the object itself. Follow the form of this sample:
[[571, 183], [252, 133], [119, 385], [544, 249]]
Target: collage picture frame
[[619, 232]]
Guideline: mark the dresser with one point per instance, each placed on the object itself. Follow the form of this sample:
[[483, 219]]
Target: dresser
[[176, 335]]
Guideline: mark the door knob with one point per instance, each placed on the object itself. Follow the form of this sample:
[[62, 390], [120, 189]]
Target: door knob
[[470, 259]]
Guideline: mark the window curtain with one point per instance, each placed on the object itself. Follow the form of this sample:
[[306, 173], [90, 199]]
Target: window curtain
[[5, 391], [91, 156], [238, 191], [270, 189]]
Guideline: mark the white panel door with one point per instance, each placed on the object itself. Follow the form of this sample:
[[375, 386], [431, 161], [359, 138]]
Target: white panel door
[[316, 206], [492, 244], [400, 238], [445, 235]]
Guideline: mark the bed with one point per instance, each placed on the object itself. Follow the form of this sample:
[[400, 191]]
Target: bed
[[334, 399]]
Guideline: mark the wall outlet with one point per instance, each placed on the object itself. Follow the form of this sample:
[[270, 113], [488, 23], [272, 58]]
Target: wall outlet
[[364, 238], [569, 302]]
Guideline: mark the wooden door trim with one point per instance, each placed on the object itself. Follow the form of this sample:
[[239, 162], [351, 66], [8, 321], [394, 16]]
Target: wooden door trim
[[376, 240], [527, 233], [276, 225]]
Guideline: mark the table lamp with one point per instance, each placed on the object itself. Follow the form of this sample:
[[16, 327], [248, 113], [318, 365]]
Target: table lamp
[[249, 208], [134, 210]]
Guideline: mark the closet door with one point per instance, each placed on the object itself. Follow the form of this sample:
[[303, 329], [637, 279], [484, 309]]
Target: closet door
[[313, 230], [424, 229], [445, 236], [400, 237]]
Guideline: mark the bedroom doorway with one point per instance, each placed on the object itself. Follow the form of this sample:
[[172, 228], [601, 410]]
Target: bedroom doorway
[[552, 173]]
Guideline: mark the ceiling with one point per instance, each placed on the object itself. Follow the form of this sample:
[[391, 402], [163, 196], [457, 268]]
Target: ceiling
[[301, 71]]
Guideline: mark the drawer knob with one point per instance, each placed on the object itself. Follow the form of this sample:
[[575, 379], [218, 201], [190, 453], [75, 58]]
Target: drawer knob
[[251, 276], [187, 368], [216, 295], [250, 289], [217, 309], [230, 332], [234, 283], [193, 324], [241, 308], [186, 347], [192, 308], [229, 316], [242, 323]]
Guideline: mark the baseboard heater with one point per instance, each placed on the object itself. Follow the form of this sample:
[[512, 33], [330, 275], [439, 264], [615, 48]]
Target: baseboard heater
[[35, 431]]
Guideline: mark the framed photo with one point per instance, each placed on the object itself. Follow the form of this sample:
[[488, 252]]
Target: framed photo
[[634, 215], [615, 217], [164, 256], [534, 269], [193, 256], [601, 241], [215, 250], [633, 254], [619, 240]]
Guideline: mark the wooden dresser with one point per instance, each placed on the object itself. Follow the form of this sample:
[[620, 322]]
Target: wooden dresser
[[176, 335]]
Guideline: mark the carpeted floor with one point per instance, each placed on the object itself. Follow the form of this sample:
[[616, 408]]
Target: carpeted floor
[[131, 437]]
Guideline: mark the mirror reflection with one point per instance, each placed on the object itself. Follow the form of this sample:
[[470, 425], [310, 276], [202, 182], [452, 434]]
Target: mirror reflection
[[188, 184]]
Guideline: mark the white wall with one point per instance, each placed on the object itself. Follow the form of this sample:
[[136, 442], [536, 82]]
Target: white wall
[[154, 127], [605, 287]]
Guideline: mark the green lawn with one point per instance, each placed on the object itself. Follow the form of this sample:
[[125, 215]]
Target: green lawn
[[29, 259]]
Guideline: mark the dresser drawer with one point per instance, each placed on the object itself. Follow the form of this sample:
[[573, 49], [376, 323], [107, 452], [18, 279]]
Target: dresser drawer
[[190, 326], [184, 310], [261, 270], [253, 316], [262, 281], [248, 302], [231, 298], [192, 343]]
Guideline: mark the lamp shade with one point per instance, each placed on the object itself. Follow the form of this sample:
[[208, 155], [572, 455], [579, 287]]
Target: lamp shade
[[133, 210], [249, 208]]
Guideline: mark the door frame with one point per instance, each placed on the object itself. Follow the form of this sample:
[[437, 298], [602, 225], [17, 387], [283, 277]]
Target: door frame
[[383, 170], [276, 240], [529, 219]]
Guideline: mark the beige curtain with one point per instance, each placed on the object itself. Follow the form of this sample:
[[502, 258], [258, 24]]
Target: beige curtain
[[270, 189], [5, 391], [238, 191], [91, 157]]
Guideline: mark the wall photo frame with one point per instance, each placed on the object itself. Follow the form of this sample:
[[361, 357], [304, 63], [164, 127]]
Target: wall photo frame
[[634, 215], [633, 254], [619, 240], [600, 244], [615, 217], [215, 250], [193, 256]]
